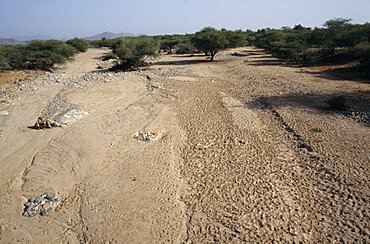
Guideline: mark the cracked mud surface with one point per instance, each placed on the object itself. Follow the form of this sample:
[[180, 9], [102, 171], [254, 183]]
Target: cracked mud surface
[[247, 152]]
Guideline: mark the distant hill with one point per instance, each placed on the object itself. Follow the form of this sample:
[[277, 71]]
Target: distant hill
[[30, 38], [108, 35], [9, 41]]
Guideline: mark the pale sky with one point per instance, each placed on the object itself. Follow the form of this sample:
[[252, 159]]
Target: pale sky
[[71, 18]]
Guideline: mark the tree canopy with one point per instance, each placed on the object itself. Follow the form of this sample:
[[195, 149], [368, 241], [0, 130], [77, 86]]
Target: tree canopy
[[80, 44], [338, 41], [210, 40], [131, 51], [39, 54]]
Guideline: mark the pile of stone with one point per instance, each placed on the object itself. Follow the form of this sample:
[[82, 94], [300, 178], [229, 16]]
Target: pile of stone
[[44, 123], [150, 87], [145, 136], [99, 77], [52, 78], [170, 72], [96, 76], [359, 116], [59, 105], [43, 205]]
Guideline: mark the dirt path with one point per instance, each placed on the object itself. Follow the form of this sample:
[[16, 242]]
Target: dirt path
[[265, 159], [245, 150], [111, 187]]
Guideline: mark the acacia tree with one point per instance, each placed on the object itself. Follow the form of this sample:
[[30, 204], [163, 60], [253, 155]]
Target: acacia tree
[[335, 33], [210, 40], [131, 51]]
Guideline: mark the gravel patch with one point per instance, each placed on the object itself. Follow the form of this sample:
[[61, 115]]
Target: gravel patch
[[145, 136], [42, 205]]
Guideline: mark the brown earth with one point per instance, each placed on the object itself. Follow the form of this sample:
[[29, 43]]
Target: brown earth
[[9, 77], [246, 151]]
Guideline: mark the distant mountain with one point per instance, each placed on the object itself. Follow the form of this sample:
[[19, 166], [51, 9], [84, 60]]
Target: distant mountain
[[30, 38], [108, 35], [9, 41]]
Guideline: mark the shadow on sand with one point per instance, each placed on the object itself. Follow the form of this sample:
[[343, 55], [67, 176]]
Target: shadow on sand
[[359, 100], [101, 71], [182, 62], [267, 61], [341, 74], [346, 73], [355, 102]]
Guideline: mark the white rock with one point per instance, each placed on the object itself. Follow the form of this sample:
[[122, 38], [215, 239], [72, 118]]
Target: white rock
[[71, 116], [4, 113]]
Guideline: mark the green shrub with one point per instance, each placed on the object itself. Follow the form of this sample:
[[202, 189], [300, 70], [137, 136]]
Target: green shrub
[[309, 57], [37, 54], [291, 51], [131, 51], [13, 55], [109, 56], [266, 37], [186, 48], [362, 52], [234, 38], [110, 43], [168, 44], [80, 44], [4, 65], [44, 54], [338, 42]]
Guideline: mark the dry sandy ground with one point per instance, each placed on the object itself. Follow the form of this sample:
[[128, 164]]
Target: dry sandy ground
[[11, 76], [246, 152]]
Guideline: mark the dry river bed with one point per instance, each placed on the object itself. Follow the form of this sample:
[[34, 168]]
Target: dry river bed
[[242, 150]]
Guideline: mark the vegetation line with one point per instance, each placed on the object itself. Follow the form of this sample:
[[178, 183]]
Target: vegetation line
[[337, 42]]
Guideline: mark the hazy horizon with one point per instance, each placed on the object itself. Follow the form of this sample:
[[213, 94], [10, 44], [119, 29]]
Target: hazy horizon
[[70, 18]]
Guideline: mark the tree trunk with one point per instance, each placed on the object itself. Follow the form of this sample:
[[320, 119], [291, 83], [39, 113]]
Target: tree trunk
[[213, 54]]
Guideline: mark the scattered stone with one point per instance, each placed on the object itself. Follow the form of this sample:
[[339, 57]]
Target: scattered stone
[[133, 178], [43, 205], [243, 142], [170, 72], [4, 113], [360, 116], [60, 104], [150, 87], [43, 123], [145, 136]]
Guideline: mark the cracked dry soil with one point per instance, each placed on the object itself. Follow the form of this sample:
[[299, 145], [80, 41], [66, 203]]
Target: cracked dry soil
[[248, 153]]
